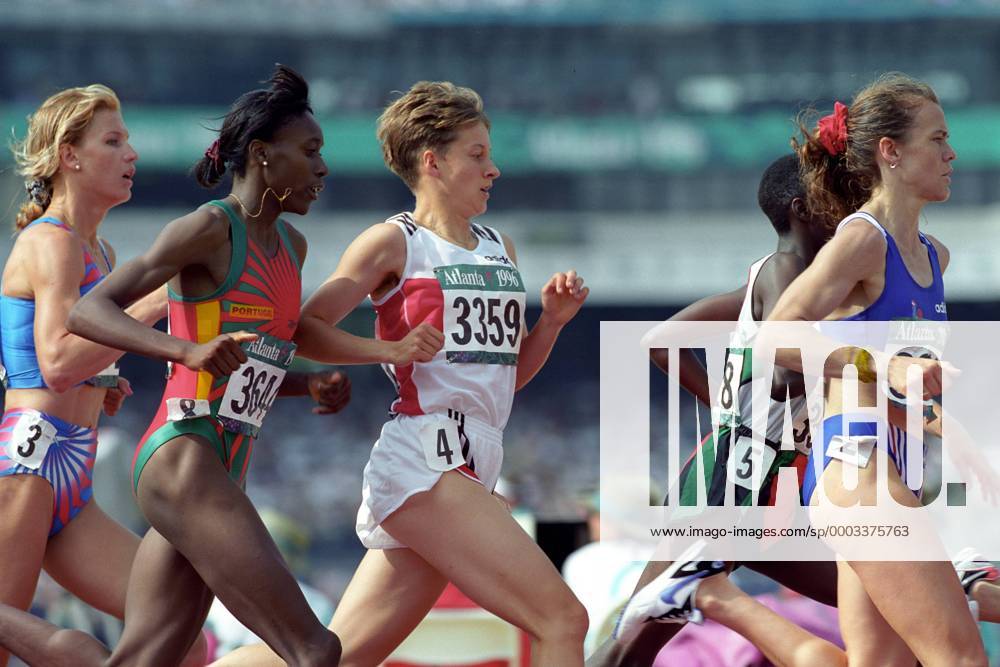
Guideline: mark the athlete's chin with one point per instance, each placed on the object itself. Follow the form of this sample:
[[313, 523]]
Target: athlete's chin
[[298, 208]]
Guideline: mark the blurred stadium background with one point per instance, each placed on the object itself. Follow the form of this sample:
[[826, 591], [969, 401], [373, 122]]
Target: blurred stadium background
[[630, 133]]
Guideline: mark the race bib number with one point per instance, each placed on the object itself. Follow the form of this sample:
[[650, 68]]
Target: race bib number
[[729, 395], [483, 313], [179, 409], [252, 387], [854, 449], [802, 436], [30, 440], [753, 461], [106, 379], [442, 446]]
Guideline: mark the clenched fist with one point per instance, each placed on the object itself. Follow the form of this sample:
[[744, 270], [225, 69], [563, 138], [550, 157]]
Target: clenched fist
[[421, 344], [115, 396], [331, 390], [220, 356]]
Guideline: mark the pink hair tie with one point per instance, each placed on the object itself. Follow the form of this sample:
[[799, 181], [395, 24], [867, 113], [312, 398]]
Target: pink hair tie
[[833, 130], [212, 153]]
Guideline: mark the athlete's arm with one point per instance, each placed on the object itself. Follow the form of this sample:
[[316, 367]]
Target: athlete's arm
[[54, 273], [374, 260], [188, 241], [562, 297], [715, 308], [854, 254]]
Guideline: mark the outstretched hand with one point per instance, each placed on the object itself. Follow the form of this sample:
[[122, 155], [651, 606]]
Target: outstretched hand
[[562, 297]]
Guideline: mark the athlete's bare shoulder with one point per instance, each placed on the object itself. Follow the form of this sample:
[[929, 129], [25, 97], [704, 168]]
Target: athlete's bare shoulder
[[379, 253], [383, 238], [206, 222]]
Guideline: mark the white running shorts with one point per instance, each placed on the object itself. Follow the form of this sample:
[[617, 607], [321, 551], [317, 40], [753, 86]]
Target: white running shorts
[[410, 456]]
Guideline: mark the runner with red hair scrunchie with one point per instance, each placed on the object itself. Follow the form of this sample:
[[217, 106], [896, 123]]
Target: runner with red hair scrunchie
[[833, 130]]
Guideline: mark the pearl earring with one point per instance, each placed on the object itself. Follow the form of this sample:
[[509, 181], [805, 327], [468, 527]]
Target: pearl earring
[[77, 166], [264, 162]]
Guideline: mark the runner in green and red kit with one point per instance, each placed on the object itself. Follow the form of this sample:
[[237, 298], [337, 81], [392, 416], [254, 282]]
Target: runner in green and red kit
[[261, 294]]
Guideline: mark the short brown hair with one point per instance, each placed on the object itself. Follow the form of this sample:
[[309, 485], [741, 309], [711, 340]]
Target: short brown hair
[[61, 119], [427, 116], [838, 185]]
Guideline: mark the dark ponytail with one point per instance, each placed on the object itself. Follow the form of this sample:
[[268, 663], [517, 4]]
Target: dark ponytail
[[258, 114]]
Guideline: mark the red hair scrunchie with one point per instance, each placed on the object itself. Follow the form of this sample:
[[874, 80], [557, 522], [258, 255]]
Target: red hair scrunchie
[[212, 153], [833, 130]]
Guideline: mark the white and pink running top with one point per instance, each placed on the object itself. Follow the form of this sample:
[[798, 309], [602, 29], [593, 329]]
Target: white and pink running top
[[476, 297]]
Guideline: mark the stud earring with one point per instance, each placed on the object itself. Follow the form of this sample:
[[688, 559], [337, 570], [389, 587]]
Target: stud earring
[[77, 166], [264, 162], [892, 165]]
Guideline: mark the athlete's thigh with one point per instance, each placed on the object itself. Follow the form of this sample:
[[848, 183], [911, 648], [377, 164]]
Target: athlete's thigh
[[814, 579], [869, 639], [166, 606], [92, 557], [907, 594], [467, 536], [189, 498], [24, 530], [390, 593]]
